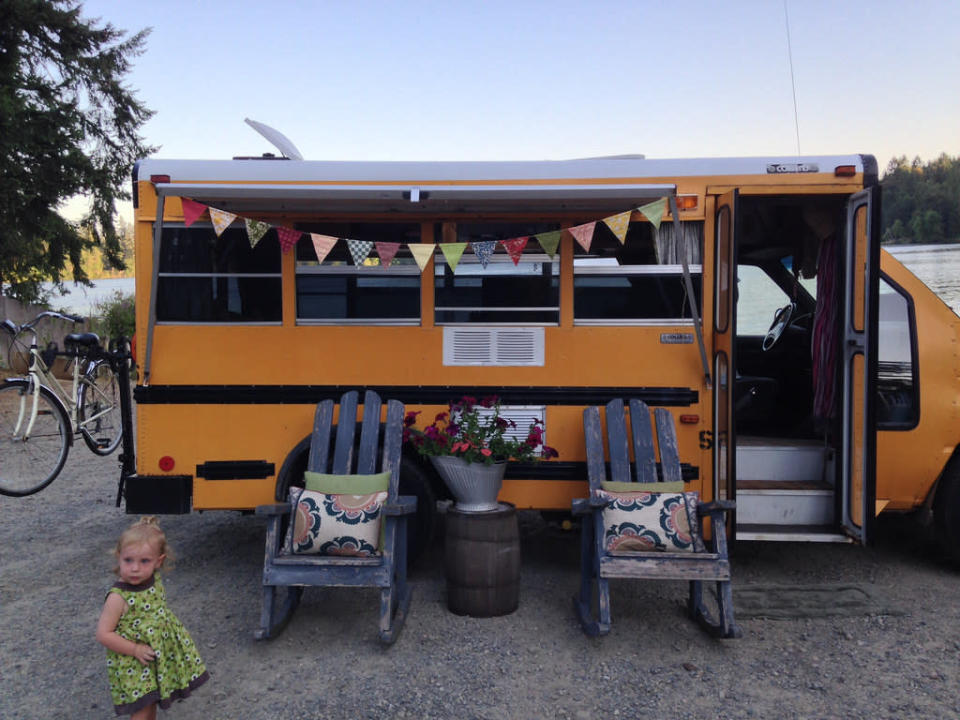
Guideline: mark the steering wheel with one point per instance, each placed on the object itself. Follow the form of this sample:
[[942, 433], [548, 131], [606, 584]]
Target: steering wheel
[[781, 319]]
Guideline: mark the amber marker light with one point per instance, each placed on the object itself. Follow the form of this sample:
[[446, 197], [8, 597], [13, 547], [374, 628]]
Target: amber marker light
[[844, 171], [166, 463], [689, 419], [687, 202]]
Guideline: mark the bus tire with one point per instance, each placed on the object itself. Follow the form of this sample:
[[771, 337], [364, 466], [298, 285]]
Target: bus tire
[[946, 510], [421, 526]]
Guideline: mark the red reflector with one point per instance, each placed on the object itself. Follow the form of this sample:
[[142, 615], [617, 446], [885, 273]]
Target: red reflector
[[159, 179], [166, 463], [845, 171], [689, 419]]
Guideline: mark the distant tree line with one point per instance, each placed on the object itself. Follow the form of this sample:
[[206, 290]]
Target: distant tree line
[[921, 201]]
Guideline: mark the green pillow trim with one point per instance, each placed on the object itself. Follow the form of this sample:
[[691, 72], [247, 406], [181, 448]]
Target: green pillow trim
[[657, 487], [347, 484]]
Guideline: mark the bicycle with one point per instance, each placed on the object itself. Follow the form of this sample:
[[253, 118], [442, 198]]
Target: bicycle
[[39, 417]]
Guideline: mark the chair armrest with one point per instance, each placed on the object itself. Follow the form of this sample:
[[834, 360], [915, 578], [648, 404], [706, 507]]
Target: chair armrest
[[584, 506], [405, 505], [717, 506], [275, 509]]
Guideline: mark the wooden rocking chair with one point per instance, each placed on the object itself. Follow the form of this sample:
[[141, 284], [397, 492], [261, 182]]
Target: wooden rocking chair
[[599, 562], [387, 569]]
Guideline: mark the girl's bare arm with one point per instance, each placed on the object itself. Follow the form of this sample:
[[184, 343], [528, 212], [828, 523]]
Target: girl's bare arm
[[113, 610]]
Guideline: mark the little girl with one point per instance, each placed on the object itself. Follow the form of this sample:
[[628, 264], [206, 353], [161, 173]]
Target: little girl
[[151, 658]]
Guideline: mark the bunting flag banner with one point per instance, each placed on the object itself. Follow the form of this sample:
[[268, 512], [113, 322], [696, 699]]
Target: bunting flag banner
[[583, 234], [654, 211], [192, 210], [619, 224], [359, 249], [221, 220], [452, 252], [322, 245], [287, 237], [483, 250], [422, 252], [549, 241], [515, 247], [255, 230], [387, 251]]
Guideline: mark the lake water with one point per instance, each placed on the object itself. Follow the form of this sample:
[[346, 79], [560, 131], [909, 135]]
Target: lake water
[[82, 300], [937, 265]]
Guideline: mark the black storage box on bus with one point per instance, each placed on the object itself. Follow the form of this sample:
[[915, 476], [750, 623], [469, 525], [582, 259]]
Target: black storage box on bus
[[158, 494]]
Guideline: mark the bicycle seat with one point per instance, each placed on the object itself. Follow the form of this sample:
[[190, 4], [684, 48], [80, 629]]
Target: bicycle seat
[[82, 339]]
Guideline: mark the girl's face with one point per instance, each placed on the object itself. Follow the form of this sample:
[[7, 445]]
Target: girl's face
[[138, 562]]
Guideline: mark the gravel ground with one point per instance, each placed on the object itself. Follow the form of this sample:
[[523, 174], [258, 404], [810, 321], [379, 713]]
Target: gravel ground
[[536, 663]]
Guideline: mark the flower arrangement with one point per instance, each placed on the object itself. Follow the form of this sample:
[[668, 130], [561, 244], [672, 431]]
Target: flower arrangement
[[465, 431]]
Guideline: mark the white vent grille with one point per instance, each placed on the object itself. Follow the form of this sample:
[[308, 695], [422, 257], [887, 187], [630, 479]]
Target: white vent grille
[[493, 346]]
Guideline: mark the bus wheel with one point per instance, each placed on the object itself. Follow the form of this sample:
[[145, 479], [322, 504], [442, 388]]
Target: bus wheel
[[421, 526], [946, 510]]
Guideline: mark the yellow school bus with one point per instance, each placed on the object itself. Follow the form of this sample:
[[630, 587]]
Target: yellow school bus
[[750, 296]]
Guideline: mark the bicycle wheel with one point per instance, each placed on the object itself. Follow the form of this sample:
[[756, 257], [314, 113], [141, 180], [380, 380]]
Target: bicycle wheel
[[27, 466], [98, 398]]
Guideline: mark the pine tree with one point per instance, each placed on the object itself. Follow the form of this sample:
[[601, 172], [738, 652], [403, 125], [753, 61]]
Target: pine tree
[[68, 126]]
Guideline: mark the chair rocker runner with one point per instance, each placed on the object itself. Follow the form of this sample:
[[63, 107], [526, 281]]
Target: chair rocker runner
[[387, 568], [602, 555]]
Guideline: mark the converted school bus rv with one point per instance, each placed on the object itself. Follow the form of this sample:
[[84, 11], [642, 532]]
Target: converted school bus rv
[[813, 377]]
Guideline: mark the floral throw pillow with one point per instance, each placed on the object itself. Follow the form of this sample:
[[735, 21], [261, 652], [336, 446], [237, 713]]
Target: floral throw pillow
[[648, 521], [336, 523]]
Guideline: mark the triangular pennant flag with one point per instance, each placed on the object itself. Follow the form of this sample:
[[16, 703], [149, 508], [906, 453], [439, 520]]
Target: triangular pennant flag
[[359, 249], [387, 251], [221, 220], [583, 234], [483, 250], [287, 237], [255, 230], [619, 224], [191, 211], [322, 245], [515, 248], [422, 252], [549, 241], [452, 252], [654, 211]]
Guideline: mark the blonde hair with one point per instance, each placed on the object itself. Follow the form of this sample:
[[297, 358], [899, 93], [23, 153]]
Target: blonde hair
[[145, 530]]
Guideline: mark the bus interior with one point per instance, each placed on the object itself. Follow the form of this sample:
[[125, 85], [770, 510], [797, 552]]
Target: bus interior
[[786, 392]]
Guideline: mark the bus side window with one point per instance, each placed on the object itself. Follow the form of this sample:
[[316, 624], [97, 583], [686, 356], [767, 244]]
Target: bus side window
[[639, 281], [897, 405], [206, 278]]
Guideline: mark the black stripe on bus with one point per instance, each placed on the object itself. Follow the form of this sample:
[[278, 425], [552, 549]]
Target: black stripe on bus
[[407, 394], [235, 469], [556, 470]]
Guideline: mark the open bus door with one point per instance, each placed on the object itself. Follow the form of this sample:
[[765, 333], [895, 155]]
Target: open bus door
[[861, 288], [724, 334]]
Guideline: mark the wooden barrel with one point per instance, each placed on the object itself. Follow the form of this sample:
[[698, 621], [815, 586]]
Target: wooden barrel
[[482, 561]]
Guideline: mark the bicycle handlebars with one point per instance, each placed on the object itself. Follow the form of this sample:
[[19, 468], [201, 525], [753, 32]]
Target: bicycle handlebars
[[12, 328]]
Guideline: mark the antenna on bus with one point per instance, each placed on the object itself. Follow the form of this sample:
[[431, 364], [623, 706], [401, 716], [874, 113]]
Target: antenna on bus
[[280, 141], [793, 83]]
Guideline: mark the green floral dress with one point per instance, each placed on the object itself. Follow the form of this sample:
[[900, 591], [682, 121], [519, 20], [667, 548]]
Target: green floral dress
[[177, 669]]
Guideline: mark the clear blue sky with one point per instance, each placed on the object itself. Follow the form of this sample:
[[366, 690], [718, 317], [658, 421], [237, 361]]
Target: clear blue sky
[[474, 80]]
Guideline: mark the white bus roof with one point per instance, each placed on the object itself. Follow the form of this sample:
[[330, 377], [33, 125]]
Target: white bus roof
[[603, 168], [594, 184]]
